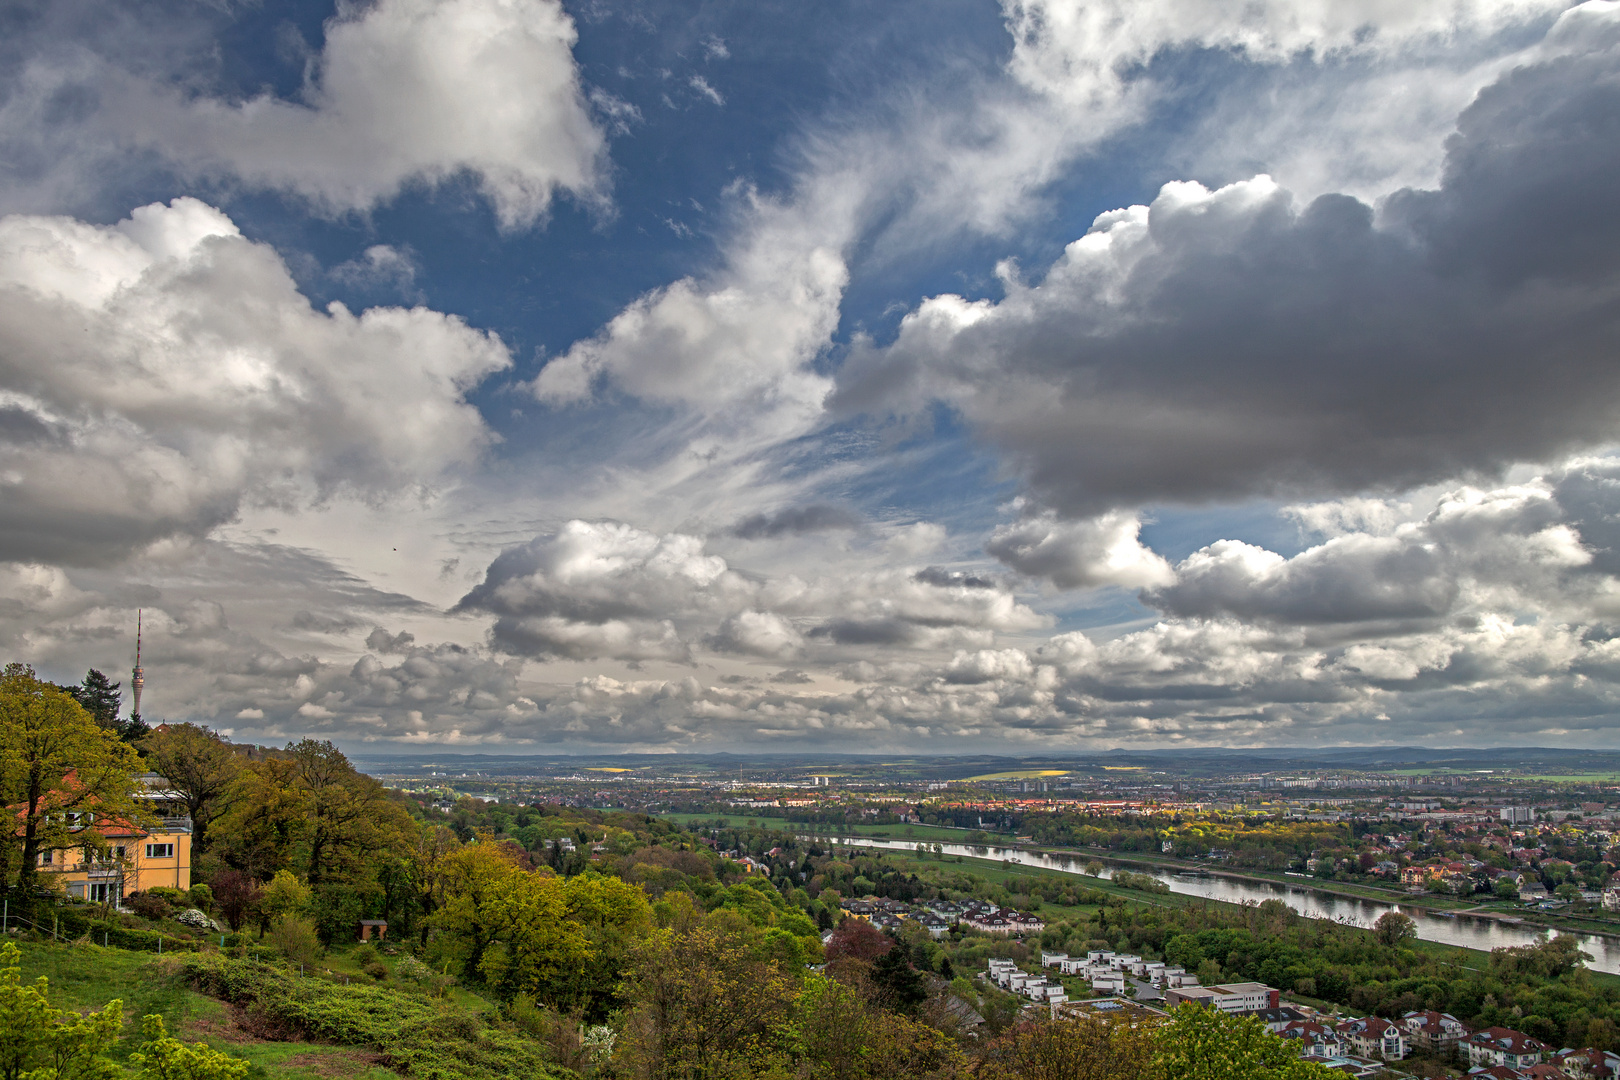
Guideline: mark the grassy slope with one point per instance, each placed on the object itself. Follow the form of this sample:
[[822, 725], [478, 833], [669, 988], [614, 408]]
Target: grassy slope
[[88, 976]]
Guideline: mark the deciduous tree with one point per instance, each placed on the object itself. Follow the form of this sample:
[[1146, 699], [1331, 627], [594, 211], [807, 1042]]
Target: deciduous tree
[[536, 947], [264, 820], [1072, 1048], [45, 735], [614, 915], [857, 939], [703, 1005], [197, 765], [1206, 1044], [842, 1036], [1393, 928]]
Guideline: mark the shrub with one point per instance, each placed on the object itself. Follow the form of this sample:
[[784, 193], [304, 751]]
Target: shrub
[[201, 897], [148, 905], [426, 1039], [560, 1035], [123, 933], [377, 970], [364, 953], [294, 937], [236, 893]]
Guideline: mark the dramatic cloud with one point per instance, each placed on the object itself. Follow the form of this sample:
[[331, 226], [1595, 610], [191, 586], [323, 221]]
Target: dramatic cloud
[[610, 590], [1078, 554], [601, 589], [403, 91], [738, 344], [157, 373], [758, 633], [1216, 344], [1285, 456], [1505, 549]]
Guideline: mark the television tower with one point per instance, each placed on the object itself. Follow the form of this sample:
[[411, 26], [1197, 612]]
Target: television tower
[[137, 678]]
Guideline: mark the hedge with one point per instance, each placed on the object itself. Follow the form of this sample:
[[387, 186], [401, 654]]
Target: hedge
[[71, 924]]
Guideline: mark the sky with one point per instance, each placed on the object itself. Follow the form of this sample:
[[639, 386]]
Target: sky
[[1037, 377]]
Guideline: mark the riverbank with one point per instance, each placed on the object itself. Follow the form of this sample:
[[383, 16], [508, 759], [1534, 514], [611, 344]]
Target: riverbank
[[1434, 905]]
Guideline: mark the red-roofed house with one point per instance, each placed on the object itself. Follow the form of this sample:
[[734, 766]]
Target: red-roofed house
[[134, 858], [1373, 1036], [1502, 1046], [1436, 1032]]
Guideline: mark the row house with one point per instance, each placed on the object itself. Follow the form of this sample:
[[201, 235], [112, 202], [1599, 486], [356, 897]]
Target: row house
[[1436, 1032], [1007, 975], [1004, 922], [1502, 1046]]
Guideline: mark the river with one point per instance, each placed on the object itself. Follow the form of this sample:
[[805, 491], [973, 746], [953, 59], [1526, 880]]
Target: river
[[1465, 930]]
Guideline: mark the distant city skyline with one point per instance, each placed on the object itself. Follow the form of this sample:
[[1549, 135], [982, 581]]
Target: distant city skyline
[[534, 376]]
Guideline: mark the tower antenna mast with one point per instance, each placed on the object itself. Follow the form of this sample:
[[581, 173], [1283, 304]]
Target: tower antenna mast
[[137, 679]]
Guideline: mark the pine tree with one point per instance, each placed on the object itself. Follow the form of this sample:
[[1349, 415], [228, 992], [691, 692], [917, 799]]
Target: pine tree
[[100, 698]]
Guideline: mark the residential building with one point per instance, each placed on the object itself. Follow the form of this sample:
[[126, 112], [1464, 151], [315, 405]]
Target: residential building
[[1587, 1064], [1436, 1032], [1229, 998], [1003, 922], [1316, 1040], [1279, 1018], [1373, 1036], [135, 859], [1502, 1046]]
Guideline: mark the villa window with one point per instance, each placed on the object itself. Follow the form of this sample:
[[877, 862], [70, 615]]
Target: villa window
[[160, 851]]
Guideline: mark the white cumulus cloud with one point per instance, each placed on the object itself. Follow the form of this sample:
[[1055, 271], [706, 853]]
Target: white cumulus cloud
[[403, 91], [156, 373]]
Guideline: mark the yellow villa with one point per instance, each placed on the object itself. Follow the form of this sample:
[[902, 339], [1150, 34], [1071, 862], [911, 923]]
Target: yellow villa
[[136, 858]]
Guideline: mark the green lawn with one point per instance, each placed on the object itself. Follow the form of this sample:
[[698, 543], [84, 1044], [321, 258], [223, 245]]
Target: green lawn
[[88, 976]]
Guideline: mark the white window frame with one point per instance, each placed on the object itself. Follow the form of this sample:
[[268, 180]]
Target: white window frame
[[160, 851]]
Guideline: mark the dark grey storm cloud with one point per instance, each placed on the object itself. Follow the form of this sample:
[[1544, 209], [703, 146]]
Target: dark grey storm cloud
[[1222, 344], [935, 575], [817, 517]]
